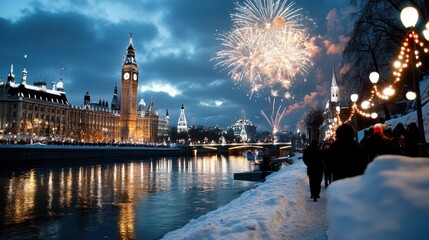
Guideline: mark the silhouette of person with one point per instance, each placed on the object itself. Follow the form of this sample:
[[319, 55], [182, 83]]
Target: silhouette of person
[[327, 173], [346, 157], [397, 142], [313, 158], [379, 143], [412, 140]]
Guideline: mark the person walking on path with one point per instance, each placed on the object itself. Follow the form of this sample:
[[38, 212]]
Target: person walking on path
[[327, 173], [313, 159], [379, 143], [346, 157]]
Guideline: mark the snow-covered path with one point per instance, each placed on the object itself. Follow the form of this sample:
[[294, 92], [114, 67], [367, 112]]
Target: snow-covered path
[[307, 220], [279, 208]]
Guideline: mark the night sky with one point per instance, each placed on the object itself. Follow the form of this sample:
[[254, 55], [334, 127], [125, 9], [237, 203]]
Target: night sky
[[174, 42]]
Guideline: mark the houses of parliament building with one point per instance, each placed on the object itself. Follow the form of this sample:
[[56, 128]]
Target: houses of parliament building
[[39, 110]]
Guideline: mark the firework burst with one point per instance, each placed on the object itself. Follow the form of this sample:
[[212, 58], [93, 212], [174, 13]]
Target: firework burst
[[277, 114], [267, 46]]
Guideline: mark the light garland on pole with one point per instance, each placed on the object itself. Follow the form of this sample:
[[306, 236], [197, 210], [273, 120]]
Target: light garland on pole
[[408, 56], [403, 61]]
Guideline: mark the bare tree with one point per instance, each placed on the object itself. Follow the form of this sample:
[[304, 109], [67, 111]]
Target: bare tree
[[313, 120], [375, 41]]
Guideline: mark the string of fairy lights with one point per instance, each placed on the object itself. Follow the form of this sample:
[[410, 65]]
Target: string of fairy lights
[[409, 55]]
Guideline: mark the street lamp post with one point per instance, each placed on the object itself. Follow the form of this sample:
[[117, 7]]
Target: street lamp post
[[409, 17], [354, 97]]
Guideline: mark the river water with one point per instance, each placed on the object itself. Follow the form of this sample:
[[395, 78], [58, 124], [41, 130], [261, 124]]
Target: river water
[[142, 199]]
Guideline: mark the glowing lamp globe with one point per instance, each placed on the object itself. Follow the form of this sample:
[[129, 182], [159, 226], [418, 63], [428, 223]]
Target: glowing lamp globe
[[338, 108], [426, 34], [411, 95], [374, 115], [354, 97], [365, 104], [389, 91], [397, 64], [409, 17], [373, 77]]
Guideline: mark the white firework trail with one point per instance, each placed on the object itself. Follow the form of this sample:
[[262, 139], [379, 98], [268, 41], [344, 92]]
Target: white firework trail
[[277, 114]]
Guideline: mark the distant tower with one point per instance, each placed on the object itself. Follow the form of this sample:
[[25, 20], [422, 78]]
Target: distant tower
[[142, 107], [335, 91], [11, 75], [182, 125], [330, 112], [115, 100], [243, 133], [86, 100], [24, 71], [129, 85]]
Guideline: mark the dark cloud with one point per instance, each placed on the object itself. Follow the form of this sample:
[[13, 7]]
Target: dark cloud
[[174, 41]]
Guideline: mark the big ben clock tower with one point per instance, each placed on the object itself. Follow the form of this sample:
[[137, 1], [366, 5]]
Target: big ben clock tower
[[129, 85]]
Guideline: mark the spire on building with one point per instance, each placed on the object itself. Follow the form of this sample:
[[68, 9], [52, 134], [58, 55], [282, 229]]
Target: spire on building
[[87, 99], [150, 107], [142, 105], [11, 75], [115, 106], [131, 56], [243, 133], [24, 71], [334, 88], [182, 125]]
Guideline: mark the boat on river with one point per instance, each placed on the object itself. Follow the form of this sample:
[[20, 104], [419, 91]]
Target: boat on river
[[264, 167]]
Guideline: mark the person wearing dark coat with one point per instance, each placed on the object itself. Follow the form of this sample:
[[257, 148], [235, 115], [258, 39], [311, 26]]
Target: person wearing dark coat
[[347, 157], [412, 140], [327, 174], [379, 143], [313, 159], [397, 142], [367, 133]]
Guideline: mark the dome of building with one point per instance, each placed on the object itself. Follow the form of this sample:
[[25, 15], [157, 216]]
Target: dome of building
[[60, 86]]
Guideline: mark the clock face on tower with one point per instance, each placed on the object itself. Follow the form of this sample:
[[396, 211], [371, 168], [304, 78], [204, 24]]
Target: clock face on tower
[[126, 76], [135, 76]]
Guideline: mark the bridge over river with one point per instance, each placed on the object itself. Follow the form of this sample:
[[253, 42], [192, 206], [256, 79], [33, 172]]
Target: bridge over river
[[275, 149]]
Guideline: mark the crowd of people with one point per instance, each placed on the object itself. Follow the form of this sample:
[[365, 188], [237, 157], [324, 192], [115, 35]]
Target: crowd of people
[[346, 157]]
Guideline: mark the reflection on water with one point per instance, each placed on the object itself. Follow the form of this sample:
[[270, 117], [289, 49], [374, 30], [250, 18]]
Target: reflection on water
[[127, 200]]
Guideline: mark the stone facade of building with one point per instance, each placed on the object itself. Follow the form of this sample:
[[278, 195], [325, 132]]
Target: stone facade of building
[[36, 110]]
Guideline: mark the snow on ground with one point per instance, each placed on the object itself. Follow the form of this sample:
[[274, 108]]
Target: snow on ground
[[279, 208], [390, 201]]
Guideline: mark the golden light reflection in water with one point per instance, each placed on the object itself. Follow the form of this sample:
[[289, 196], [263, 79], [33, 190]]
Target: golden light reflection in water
[[20, 198], [126, 226], [117, 184]]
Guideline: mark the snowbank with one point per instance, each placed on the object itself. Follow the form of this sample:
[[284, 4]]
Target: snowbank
[[390, 201], [279, 208]]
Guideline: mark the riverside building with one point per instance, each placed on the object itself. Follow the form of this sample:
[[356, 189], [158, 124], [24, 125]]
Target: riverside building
[[38, 111], [244, 129]]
